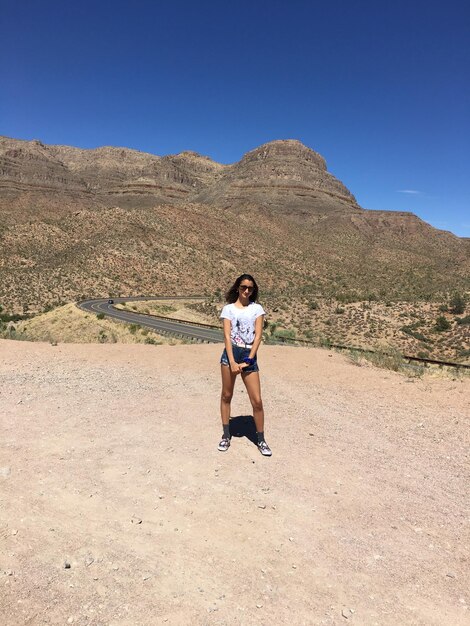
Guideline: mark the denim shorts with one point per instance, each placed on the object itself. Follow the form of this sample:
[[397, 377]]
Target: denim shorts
[[239, 354]]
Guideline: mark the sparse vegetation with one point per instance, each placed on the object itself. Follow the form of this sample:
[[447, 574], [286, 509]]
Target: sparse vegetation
[[442, 324], [457, 304], [68, 324]]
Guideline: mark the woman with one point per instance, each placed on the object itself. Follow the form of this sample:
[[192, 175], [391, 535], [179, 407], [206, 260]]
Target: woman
[[243, 326]]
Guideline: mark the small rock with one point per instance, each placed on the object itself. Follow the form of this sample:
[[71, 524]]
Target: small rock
[[70, 620], [259, 606], [136, 520], [5, 471], [89, 560], [450, 575], [14, 532], [294, 567], [67, 565], [261, 506], [345, 614]]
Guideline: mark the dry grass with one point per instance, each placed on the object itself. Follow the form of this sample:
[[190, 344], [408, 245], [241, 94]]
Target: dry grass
[[68, 324], [176, 309]]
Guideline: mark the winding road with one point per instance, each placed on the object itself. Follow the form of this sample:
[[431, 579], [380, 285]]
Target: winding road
[[190, 330]]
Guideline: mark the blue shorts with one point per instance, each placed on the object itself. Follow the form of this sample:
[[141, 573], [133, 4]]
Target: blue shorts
[[239, 354]]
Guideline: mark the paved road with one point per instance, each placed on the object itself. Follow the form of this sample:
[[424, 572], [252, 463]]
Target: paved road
[[193, 331]]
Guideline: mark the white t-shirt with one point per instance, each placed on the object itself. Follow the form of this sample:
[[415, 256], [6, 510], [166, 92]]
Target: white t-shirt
[[242, 321]]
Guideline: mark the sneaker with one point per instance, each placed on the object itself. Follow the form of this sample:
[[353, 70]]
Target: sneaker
[[224, 444], [264, 448]]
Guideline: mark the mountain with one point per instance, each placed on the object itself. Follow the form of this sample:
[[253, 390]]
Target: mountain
[[79, 222], [280, 173]]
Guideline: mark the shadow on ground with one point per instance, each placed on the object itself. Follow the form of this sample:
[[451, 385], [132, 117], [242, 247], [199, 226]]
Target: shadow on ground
[[243, 426]]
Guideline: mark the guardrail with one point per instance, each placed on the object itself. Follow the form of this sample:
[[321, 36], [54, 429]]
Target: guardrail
[[369, 351]]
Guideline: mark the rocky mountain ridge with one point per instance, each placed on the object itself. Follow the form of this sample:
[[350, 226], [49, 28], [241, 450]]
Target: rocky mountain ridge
[[279, 173]]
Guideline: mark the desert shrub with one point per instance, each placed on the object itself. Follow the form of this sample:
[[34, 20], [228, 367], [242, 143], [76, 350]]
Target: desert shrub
[[102, 337], [392, 359], [284, 334], [457, 304], [100, 316], [272, 326], [463, 320], [442, 324], [313, 305], [133, 328], [151, 341], [443, 308], [410, 330], [355, 356], [339, 310]]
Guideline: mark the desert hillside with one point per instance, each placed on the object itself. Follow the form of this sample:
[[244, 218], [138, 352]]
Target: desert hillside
[[77, 224], [117, 508]]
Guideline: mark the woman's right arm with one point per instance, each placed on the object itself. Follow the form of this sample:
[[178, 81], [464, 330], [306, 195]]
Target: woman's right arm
[[234, 367]]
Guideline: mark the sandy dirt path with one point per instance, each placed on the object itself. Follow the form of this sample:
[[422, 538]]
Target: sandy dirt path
[[117, 509]]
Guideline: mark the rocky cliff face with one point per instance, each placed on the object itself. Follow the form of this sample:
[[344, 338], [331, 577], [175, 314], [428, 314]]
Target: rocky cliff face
[[278, 174]]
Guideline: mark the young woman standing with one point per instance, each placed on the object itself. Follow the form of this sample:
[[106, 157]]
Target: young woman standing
[[243, 326]]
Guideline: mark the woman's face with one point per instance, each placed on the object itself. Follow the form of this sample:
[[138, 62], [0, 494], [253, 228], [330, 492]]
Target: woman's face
[[245, 289]]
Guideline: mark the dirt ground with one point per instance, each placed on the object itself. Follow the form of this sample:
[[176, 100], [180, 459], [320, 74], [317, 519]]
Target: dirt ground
[[117, 509]]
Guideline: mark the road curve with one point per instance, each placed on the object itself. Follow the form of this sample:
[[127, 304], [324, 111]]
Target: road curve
[[182, 329]]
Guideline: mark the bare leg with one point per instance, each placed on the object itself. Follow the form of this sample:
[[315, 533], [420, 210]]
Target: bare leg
[[228, 382], [252, 384]]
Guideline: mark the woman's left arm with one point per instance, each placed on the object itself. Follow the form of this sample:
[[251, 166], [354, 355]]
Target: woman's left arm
[[258, 336]]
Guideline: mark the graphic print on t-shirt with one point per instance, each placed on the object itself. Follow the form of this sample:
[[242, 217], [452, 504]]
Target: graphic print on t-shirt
[[244, 332]]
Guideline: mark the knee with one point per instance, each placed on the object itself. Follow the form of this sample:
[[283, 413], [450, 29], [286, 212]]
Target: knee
[[257, 404], [226, 397]]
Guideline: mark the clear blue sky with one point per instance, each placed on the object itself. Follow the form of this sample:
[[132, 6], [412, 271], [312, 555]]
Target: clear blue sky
[[381, 89]]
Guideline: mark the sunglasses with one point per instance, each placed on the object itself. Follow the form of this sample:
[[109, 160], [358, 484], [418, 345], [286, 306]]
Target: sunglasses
[[246, 288]]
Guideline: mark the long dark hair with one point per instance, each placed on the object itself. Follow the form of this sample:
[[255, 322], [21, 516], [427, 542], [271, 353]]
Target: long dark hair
[[232, 294]]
